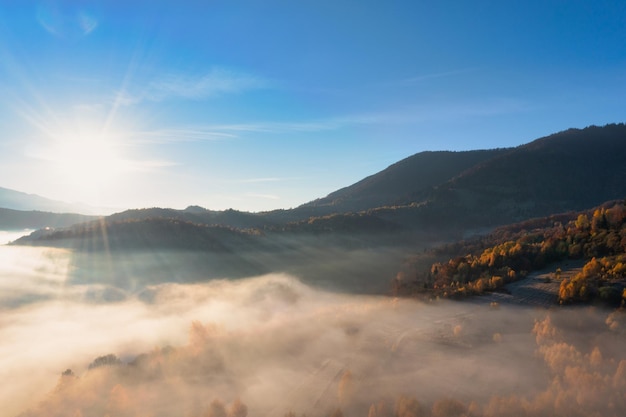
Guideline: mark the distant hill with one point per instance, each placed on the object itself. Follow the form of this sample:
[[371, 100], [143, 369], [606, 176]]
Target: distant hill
[[144, 234], [198, 215], [17, 200], [19, 210], [16, 219]]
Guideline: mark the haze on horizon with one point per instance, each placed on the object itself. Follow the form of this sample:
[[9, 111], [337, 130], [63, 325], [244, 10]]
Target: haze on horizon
[[264, 105]]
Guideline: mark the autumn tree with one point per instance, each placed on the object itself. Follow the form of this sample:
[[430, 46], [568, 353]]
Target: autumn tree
[[408, 407], [448, 407], [238, 409], [216, 409], [337, 413]]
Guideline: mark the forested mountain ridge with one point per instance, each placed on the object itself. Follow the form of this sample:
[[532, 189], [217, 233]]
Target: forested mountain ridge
[[597, 237], [17, 219], [397, 183], [145, 234], [570, 170], [198, 215]]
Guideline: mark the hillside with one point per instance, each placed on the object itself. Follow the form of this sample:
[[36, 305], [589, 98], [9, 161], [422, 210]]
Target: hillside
[[595, 237], [198, 215], [16, 219], [17, 200], [144, 234], [412, 176], [570, 170]]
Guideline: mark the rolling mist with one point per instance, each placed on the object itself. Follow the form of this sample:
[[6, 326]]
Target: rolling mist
[[272, 345]]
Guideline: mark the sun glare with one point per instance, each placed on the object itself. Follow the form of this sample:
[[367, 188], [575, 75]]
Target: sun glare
[[85, 162], [90, 159]]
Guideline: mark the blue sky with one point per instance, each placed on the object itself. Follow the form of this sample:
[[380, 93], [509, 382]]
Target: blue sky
[[258, 105]]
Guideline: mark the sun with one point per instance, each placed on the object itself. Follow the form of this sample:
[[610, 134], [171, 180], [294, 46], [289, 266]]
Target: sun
[[89, 158], [85, 161]]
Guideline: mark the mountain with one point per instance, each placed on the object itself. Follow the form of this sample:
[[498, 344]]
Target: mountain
[[442, 195], [198, 215], [459, 191], [397, 183], [16, 219], [571, 170], [19, 210], [150, 233], [18, 200]]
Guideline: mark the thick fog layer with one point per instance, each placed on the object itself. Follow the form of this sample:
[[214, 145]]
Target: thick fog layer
[[271, 345], [10, 236]]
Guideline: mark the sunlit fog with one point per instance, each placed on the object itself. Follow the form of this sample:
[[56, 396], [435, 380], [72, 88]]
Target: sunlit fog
[[276, 346]]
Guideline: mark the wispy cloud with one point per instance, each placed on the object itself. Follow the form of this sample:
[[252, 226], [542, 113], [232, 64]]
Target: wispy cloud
[[423, 77], [214, 83], [87, 23], [423, 113], [264, 196], [259, 180], [66, 23], [215, 132], [315, 125], [175, 135], [405, 115], [282, 127]]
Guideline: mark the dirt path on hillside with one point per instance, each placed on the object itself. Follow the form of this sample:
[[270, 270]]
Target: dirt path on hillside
[[538, 289]]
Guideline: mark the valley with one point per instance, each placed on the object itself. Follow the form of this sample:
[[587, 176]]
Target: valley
[[394, 297]]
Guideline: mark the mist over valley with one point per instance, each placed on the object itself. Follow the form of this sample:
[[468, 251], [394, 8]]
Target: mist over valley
[[402, 295], [275, 345]]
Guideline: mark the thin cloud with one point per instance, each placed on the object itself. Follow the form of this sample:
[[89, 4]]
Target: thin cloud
[[259, 180], [175, 135], [232, 131], [66, 23], [443, 74], [214, 83], [264, 196], [87, 23], [317, 125], [406, 115]]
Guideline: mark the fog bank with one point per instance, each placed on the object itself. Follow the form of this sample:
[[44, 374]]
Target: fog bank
[[271, 345]]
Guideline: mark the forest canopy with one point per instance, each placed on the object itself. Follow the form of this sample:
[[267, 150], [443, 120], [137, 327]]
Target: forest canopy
[[598, 237]]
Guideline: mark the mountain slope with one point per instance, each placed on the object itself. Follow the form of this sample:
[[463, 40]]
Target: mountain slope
[[198, 215], [411, 176], [595, 238], [17, 200], [151, 233], [570, 170], [16, 219]]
